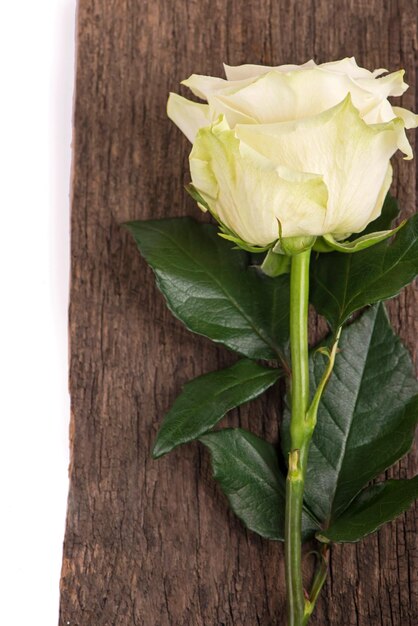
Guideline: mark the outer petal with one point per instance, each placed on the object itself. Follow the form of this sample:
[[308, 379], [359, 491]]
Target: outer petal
[[276, 96], [247, 193], [376, 109], [222, 105], [352, 157], [391, 85], [262, 94], [203, 86], [410, 119], [242, 72], [206, 86], [346, 66], [387, 181], [187, 115], [349, 66]]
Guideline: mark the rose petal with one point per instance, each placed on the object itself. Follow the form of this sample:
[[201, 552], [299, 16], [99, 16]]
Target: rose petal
[[187, 115], [352, 157], [249, 194]]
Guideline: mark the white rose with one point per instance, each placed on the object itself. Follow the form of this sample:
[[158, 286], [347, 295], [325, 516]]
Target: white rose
[[306, 146]]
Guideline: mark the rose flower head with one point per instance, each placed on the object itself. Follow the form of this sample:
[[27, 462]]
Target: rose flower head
[[293, 151]]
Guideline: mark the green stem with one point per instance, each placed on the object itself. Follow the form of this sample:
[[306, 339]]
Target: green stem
[[300, 436], [302, 424]]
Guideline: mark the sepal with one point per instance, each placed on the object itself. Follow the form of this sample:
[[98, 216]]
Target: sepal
[[193, 193], [230, 236], [275, 264], [293, 245], [327, 243]]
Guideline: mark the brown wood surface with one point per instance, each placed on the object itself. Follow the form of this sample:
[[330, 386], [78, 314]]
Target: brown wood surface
[[152, 543]]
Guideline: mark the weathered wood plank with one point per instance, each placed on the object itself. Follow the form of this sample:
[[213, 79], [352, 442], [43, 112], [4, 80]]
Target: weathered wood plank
[[152, 543]]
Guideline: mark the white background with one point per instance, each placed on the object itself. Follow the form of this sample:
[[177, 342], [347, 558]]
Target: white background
[[37, 78]]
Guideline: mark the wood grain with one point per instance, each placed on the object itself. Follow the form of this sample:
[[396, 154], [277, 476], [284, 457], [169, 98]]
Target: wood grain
[[152, 543]]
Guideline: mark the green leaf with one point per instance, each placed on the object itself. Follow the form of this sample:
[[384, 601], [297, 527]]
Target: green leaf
[[375, 506], [343, 283], [211, 288], [366, 417], [205, 400], [249, 475]]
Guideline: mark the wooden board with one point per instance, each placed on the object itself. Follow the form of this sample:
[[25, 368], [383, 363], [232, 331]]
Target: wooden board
[[152, 543]]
